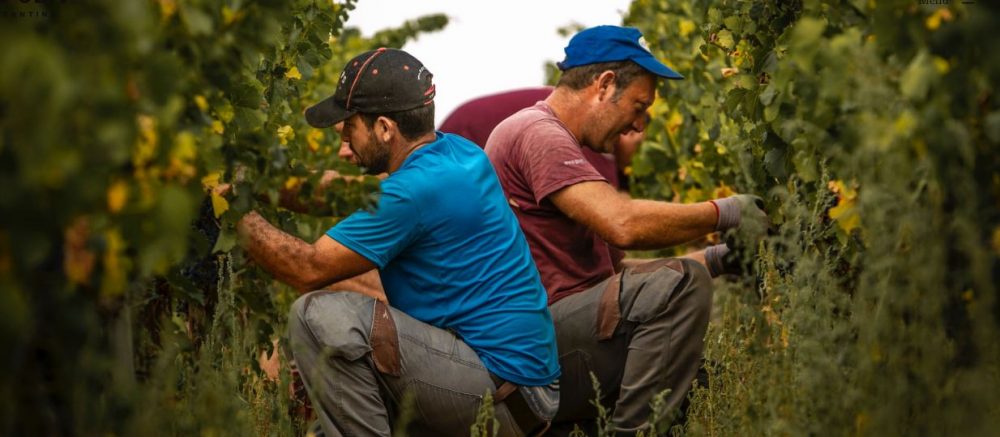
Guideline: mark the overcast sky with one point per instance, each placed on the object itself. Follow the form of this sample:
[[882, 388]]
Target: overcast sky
[[488, 46]]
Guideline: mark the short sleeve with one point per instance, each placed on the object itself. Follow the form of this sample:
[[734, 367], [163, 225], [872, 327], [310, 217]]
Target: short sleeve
[[380, 235], [553, 159]]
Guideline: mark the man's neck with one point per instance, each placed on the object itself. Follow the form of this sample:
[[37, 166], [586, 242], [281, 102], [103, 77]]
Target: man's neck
[[567, 106], [404, 150]]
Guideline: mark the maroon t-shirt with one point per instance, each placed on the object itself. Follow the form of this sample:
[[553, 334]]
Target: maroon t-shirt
[[476, 118], [534, 155]]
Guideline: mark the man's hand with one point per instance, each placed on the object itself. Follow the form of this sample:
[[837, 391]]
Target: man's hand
[[745, 213], [745, 224], [223, 190]]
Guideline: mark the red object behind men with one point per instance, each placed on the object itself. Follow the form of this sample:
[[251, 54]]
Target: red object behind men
[[476, 119]]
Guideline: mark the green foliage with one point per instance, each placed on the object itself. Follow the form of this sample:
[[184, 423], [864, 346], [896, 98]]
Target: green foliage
[[117, 313], [869, 128], [486, 423]]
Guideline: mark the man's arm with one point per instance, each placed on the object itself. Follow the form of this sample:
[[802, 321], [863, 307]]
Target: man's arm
[[632, 223], [302, 265], [290, 199]]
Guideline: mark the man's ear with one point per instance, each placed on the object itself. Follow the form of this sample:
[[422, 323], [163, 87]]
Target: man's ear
[[385, 128], [605, 85]]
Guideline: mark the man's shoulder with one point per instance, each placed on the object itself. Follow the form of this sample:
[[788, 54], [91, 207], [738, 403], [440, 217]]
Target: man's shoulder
[[529, 128], [432, 168], [531, 115]]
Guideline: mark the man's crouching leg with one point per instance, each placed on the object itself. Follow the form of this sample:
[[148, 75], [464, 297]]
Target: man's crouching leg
[[358, 376], [668, 304], [328, 332], [639, 332]]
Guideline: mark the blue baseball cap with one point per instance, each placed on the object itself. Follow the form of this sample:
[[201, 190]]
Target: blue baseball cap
[[613, 44]]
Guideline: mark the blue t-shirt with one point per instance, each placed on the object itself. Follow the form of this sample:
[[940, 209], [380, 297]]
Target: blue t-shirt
[[451, 254]]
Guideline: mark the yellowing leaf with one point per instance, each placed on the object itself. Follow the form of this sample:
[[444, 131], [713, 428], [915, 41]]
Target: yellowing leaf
[[167, 9], [686, 27], [218, 127], [219, 204], [184, 146], [293, 73], [845, 213], [117, 196], [200, 102], [114, 268], [725, 39], [675, 122], [225, 111], [285, 133], [211, 180], [941, 65], [147, 141], [292, 182], [722, 191], [934, 20], [230, 16], [313, 138], [692, 195], [182, 156]]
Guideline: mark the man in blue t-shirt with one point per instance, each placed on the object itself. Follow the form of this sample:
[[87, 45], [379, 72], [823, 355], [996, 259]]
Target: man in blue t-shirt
[[468, 312]]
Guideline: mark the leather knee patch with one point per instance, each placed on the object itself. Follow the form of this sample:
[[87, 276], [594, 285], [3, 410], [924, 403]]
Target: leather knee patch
[[608, 309], [385, 341], [652, 266]]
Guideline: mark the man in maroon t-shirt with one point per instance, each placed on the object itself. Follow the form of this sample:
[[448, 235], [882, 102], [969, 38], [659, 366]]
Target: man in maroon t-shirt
[[640, 331], [476, 119]]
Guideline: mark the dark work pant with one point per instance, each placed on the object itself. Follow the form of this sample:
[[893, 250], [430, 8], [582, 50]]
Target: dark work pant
[[330, 341], [651, 342]]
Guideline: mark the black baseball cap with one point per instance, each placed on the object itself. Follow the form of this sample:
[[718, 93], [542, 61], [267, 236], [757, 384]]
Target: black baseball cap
[[375, 82]]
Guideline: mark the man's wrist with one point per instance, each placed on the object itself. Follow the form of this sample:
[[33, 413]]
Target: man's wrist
[[729, 213], [714, 259]]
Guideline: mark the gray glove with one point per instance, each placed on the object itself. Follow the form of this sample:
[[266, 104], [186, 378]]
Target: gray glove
[[744, 212], [744, 218], [715, 260]]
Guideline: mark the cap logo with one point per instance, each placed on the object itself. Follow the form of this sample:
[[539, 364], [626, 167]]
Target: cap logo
[[642, 43]]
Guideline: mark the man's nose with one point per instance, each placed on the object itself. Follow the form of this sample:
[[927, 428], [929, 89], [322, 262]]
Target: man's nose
[[345, 151]]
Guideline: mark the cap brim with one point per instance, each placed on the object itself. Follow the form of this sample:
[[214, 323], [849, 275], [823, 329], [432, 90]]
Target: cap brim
[[656, 67], [326, 113]]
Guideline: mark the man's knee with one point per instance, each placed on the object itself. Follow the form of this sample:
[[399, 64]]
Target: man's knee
[[697, 285], [335, 322], [672, 284]]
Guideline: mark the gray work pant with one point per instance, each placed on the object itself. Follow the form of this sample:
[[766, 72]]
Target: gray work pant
[[330, 335], [640, 332]]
